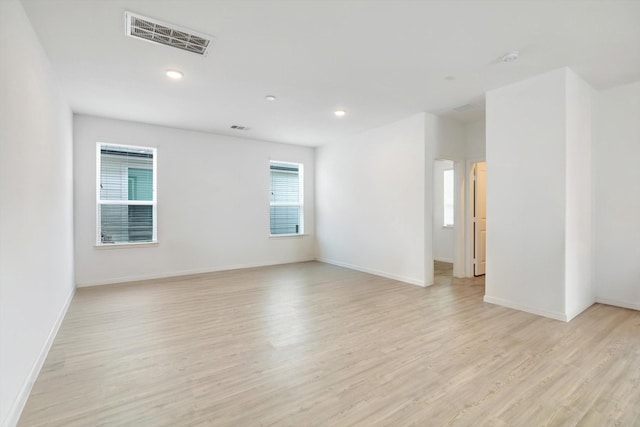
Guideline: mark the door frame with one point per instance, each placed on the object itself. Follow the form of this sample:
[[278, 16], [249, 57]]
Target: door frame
[[476, 218], [469, 229]]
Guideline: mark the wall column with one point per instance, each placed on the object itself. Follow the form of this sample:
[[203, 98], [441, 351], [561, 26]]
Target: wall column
[[539, 195]]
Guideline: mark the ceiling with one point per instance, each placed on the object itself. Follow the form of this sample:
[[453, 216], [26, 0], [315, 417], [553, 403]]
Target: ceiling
[[378, 60]]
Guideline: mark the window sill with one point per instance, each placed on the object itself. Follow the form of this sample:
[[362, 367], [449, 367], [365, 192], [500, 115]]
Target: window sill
[[125, 245], [279, 236]]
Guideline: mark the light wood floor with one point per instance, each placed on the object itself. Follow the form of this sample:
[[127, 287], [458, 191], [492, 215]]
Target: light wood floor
[[315, 344]]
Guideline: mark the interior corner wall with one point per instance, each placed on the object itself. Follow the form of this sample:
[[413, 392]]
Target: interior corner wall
[[526, 158], [616, 156], [213, 203], [36, 217], [371, 202], [579, 292]]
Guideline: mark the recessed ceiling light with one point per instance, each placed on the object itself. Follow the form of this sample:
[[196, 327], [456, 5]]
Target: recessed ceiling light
[[510, 57], [270, 98], [340, 113], [174, 74]]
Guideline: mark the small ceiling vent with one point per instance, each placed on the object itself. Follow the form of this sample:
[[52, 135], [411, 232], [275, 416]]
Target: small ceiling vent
[[154, 31], [465, 107], [238, 127]]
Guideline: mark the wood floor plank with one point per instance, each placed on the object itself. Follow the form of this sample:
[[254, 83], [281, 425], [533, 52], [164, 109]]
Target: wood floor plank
[[316, 344]]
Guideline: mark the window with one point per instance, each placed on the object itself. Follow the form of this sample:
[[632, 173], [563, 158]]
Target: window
[[448, 198], [126, 194], [286, 206]]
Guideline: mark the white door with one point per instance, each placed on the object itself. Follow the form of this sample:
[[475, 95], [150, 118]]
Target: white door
[[480, 218]]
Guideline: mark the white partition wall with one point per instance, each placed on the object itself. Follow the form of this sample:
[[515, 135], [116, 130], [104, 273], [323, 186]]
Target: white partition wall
[[538, 195], [373, 210], [616, 158], [36, 208], [579, 292]]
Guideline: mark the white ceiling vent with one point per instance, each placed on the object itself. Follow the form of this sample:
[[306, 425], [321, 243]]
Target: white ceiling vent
[[465, 107], [154, 31]]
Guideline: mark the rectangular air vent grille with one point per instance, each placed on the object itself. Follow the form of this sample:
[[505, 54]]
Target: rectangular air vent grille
[[155, 31]]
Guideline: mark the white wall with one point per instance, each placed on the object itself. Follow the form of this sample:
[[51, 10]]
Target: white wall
[[526, 158], [213, 203], [616, 157], [449, 139], [372, 209], [443, 238], [36, 218], [579, 292], [539, 195], [475, 147]]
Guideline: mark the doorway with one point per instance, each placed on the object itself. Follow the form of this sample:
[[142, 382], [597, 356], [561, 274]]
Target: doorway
[[443, 211]]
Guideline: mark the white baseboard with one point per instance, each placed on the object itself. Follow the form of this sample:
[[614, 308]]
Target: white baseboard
[[579, 310], [137, 278], [14, 412], [532, 310], [410, 280], [623, 304]]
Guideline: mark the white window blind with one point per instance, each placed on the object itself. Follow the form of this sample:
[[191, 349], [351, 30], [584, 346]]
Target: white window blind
[[448, 198], [286, 198], [126, 194]]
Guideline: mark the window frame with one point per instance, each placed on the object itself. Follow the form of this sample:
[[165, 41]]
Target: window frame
[[153, 202], [299, 204]]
